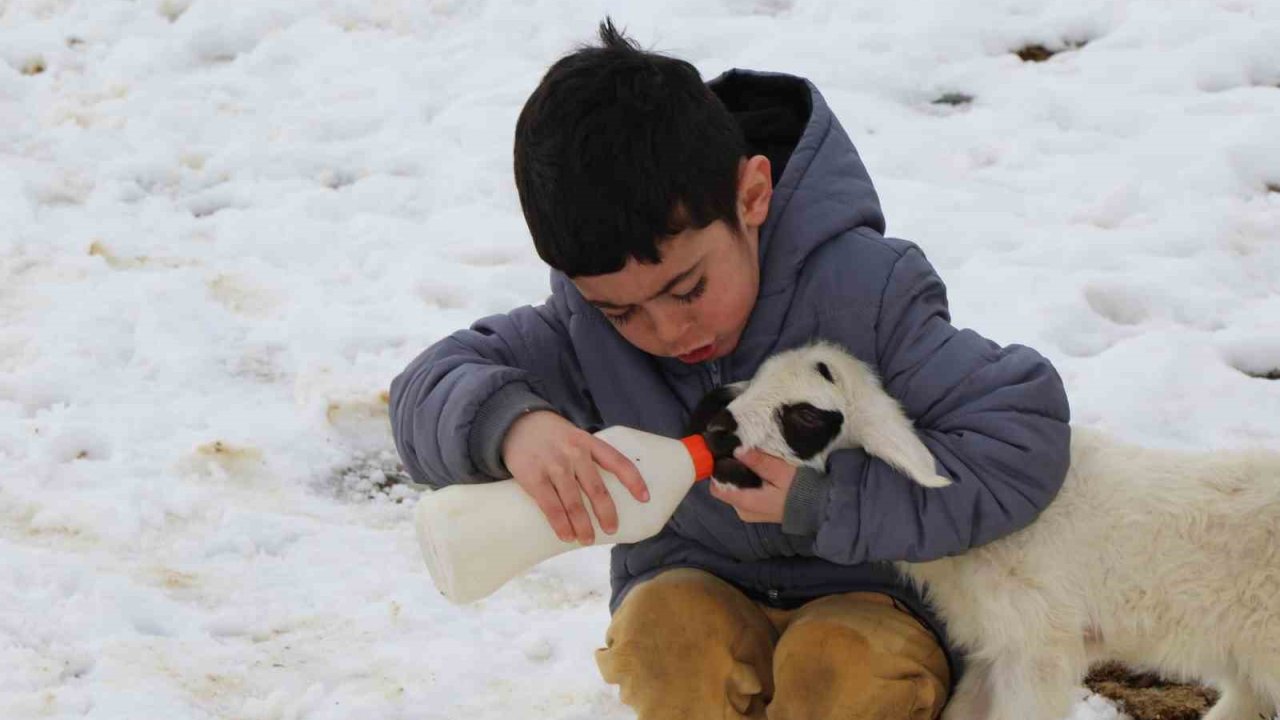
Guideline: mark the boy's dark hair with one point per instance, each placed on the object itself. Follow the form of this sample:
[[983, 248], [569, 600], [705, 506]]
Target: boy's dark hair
[[619, 148]]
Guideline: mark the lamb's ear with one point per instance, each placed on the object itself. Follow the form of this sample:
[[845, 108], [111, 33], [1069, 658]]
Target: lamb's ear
[[884, 431], [711, 404], [907, 454]]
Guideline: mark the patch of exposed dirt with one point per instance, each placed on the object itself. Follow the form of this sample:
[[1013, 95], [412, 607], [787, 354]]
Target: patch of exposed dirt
[[1040, 53], [954, 98], [1145, 696], [373, 476]]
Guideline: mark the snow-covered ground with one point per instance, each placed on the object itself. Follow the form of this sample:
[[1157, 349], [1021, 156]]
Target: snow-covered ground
[[224, 227]]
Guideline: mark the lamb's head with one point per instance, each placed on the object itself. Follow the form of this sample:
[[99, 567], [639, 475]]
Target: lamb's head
[[801, 406]]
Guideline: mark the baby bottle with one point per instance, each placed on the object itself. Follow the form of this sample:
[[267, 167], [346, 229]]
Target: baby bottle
[[477, 537]]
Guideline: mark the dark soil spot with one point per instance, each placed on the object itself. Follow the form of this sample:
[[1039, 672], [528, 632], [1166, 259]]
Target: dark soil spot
[[1040, 53], [1034, 53], [954, 98], [34, 66], [372, 476], [1145, 696]]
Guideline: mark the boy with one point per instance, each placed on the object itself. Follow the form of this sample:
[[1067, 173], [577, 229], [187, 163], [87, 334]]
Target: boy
[[693, 230]]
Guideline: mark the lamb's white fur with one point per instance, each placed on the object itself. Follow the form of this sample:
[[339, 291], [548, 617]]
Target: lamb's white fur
[[872, 418], [1168, 561]]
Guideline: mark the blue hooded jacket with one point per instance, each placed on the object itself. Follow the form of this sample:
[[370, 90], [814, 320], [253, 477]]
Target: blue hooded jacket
[[995, 418]]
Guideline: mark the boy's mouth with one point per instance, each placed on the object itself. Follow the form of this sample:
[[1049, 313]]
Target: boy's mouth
[[699, 355]]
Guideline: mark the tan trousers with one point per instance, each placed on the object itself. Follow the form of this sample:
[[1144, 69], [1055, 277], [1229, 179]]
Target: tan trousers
[[686, 645]]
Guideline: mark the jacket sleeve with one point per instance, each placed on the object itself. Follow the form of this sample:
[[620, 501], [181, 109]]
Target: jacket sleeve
[[452, 406], [995, 419]]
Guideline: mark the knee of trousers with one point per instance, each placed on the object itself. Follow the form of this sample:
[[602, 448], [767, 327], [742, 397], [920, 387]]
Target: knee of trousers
[[862, 665], [685, 606], [687, 640]]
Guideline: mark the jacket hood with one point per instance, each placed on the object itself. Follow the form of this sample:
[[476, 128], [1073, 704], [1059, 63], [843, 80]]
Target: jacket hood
[[821, 188]]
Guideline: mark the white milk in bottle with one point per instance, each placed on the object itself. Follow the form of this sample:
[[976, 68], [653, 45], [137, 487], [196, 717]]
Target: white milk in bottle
[[477, 537]]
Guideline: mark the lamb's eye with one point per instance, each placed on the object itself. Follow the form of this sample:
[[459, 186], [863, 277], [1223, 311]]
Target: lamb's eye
[[808, 429], [807, 415]]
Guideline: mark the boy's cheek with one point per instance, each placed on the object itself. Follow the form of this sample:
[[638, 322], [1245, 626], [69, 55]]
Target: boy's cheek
[[643, 342]]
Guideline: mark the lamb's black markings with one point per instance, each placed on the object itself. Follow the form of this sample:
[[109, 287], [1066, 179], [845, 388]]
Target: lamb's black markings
[[807, 429], [825, 372]]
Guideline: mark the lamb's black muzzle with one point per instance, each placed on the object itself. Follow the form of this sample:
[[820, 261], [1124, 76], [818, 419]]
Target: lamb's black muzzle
[[722, 434], [713, 421], [722, 439]]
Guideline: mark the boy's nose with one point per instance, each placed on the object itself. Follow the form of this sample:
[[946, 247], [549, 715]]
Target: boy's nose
[[671, 327]]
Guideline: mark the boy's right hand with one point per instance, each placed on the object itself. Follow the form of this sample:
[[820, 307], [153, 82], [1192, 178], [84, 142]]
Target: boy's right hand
[[554, 461]]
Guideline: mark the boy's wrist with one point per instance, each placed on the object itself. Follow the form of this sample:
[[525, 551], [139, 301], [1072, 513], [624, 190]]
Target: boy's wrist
[[493, 419], [802, 513]]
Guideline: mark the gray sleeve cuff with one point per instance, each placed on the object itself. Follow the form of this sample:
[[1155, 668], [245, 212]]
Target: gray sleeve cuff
[[802, 513], [494, 419]]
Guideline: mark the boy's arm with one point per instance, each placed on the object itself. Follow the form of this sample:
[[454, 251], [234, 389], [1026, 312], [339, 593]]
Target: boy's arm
[[452, 406], [995, 419]]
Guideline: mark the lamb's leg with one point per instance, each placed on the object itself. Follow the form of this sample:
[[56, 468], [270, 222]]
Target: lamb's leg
[[1037, 685], [1239, 701], [972, 698]]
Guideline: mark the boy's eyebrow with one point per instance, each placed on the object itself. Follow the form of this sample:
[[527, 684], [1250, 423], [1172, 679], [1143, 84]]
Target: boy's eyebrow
[[606, 305]]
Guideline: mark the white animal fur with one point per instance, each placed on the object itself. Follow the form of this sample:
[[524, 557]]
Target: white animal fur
[[1168, 561], [872, 418]]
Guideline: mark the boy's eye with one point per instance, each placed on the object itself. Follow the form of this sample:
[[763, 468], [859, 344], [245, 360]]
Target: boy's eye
[[621, 318], [693, 294]]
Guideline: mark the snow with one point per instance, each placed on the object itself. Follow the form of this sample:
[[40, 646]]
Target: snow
[[224, 227]]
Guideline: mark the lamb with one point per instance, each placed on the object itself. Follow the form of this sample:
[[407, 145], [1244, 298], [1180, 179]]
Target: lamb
[[1167, 561]]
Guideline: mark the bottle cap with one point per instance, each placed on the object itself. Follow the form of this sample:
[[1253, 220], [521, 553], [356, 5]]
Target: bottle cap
[[703, 462]]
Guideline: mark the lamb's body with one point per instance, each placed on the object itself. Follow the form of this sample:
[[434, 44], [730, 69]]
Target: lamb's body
[[1164, 560]]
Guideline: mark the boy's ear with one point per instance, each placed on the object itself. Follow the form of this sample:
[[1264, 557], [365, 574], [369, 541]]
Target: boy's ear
[[755, 189]]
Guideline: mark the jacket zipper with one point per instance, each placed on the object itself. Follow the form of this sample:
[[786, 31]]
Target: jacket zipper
[[713, 369]]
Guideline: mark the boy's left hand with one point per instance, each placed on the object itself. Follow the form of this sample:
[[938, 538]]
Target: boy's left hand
[[765, 503]]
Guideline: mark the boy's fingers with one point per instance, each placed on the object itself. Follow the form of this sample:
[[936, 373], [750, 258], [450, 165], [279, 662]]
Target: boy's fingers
[[609, 458], [734, 498], [746, 514], [744, 500], [598, 494], [544, 495], [571, 498], [750, 457], [767, 466], [740, 500]]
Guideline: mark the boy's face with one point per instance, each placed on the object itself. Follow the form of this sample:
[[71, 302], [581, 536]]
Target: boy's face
[[694, 304]]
